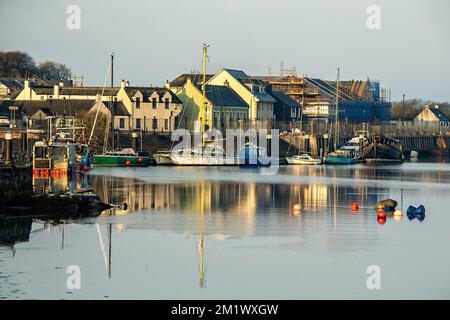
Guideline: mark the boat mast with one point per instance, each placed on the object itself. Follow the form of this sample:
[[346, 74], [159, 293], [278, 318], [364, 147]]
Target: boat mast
[[111, 101], [203, 108], [336, 119]]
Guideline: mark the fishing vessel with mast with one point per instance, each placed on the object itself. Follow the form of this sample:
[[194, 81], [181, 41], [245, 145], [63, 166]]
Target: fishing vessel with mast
[[115, 157], [346, 154], [210, 153]]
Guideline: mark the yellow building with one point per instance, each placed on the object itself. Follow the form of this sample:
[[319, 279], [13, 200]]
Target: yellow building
[[224, 108], [254, 92]]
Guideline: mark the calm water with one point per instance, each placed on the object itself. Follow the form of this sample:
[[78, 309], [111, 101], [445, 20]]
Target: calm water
[[230, 233]]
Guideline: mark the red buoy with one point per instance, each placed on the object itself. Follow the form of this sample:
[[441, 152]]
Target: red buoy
[[128, 162], [381, 214], [139, 159], [355, 206], [381, 220], [84, 168]]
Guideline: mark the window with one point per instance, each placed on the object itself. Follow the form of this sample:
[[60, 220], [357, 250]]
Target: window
[[154, 124], [138, 123], [166, 103], [154, 103], [138, 103], [122, 123], [166, 124]]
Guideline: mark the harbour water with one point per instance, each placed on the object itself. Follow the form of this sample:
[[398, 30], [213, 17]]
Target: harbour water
[[231, 233]]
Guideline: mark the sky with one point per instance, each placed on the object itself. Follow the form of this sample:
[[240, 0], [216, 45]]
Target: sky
[[155, 41]]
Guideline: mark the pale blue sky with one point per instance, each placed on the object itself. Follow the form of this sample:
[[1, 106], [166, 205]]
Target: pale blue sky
[[158, 40]]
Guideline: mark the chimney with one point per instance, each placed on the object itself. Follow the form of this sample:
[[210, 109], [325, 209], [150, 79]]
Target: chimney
[[123, 84], [98, 97], [26, 84], [56, 91], [226, 84], [436, 106], [61, 84]]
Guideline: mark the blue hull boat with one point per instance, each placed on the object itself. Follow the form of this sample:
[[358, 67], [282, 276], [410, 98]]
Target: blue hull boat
[[331, 159]]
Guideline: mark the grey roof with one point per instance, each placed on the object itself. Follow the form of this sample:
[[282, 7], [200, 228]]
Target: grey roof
[[223, 96], [196, 78], [247, 81], [440, 115], [148, 91], [284, 99], [56, 106]]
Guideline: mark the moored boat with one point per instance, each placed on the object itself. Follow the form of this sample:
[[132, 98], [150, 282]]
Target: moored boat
[[126, 157], [342, 156], [304, 159], [163, 158]]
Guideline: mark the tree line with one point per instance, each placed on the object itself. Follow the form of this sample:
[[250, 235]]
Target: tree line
[[17, 64], [412, 107]]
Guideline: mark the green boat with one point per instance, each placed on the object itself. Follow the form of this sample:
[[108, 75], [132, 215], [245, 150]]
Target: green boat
[[122, 158], [342, 157]]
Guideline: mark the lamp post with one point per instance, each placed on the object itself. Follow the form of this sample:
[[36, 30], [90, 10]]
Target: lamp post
[[403, 110]]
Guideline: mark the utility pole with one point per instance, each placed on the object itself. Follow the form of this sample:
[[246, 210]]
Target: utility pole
[[403, 110], [336, 120]]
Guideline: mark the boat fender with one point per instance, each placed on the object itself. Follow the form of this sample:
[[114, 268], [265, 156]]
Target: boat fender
[[416, 213]]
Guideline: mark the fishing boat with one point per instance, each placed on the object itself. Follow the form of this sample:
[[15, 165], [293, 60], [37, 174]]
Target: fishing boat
[[126, 157], [162, 158], [348, 153], [202, 155], [342, 156], [380, 149], [304, 159]]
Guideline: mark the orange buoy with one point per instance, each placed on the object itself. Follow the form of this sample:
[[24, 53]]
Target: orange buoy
[[355, 206], [128, 162], [381, 214], [139, 159], [297, 208], [381, 220], [398, 213]]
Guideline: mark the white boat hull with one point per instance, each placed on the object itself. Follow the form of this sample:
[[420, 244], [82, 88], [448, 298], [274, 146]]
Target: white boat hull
[[162, 159], [198, 160]]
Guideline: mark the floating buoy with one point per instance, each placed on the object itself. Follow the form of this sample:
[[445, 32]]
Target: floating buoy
[[398, 218], [381, 220], [355, 206], [381, 214], [128, 162], [387, 203], [398, 213], [139, 159], [84, 168], [297, 208]]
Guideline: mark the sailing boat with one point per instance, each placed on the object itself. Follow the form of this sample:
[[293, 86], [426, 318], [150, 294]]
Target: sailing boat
[[121, 157], [345, 154], [197, 156]]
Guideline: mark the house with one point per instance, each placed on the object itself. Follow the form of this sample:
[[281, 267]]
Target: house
[[147, 108], [224, 107], [10, 87], [151, 108], [37, 92], [432, 117], [255, 92], [285, 108], [122, 118]]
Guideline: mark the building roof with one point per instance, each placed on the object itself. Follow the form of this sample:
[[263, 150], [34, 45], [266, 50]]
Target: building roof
[[439, 114], [148, 91], [18, 83], [119, 108], [56, 106], [196, 78], [75, 91], [284, 99], [248, 81], [223, 96]]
